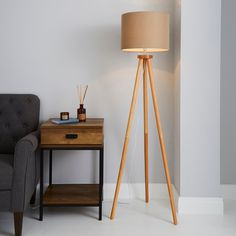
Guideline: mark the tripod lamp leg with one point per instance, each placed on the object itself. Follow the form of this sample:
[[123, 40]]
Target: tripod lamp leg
[[162, 143], [145, 112], [126, 142]]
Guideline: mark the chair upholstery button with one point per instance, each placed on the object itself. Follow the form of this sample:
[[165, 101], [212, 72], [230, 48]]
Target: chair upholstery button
[[25, 125]]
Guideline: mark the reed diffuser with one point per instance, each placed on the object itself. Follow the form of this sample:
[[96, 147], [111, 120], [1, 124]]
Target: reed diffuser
[[81, 111]]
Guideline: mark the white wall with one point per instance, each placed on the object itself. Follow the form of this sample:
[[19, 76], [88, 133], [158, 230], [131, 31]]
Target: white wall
[[50, 46], [200, 98], [228, 85]]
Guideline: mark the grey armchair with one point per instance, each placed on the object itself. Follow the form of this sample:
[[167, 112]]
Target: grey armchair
[[19, 164]]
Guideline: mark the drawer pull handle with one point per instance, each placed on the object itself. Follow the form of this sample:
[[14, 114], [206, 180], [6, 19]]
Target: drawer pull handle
[[71, 136]]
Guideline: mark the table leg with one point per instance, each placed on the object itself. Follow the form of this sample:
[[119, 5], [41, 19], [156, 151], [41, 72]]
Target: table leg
[[50, 167], [100, 182], [41, 187]]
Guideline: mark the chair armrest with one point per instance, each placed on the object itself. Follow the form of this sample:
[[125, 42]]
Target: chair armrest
[[31, 139], [24, 177]]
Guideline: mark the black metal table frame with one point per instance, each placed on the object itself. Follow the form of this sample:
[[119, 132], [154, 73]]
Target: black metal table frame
[[50, 149]]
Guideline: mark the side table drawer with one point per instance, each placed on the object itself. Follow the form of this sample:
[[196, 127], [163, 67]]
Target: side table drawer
[[88, 133], [71, 136]]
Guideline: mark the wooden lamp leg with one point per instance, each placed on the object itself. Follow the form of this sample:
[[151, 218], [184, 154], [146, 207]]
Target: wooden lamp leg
[[145, 109], [126, 142], [162, 143]]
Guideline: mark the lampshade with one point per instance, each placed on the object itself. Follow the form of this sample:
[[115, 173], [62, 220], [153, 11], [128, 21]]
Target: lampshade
[[145, 32]]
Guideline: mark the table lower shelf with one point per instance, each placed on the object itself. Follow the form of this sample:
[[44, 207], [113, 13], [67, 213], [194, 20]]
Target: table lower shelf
[[71, 195]]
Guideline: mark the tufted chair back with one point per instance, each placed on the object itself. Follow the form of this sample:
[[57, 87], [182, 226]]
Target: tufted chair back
[[19, 115]]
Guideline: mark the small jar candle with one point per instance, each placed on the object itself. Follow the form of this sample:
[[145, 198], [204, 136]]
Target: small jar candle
[[64, 115]]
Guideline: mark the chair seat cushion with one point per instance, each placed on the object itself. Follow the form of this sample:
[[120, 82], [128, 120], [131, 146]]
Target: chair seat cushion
[[6, 171]]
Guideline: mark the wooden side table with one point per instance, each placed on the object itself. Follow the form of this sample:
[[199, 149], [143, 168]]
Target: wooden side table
[[82, 136]]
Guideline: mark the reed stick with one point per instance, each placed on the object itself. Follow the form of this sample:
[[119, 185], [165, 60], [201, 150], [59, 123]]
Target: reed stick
[[85, 93], [80, 94]]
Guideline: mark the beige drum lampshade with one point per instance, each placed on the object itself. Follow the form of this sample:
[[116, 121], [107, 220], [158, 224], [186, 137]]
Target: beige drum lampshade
[[145, 32]]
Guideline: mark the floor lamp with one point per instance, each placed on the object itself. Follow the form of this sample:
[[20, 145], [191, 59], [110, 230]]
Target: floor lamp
[[144, 32]]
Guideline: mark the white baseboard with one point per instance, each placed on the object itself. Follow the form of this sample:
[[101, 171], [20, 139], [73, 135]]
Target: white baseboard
[[228, 191], [137, 191], [201, 205], [124, 194], [184, 205]]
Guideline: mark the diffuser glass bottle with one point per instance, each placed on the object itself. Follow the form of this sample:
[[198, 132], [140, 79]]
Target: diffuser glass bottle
[[81, 111]]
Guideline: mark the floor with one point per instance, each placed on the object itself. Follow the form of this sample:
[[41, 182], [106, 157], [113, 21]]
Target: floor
[[135, 218]]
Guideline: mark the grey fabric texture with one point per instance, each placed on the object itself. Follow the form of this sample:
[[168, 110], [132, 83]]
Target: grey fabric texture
[[19, 161], [5, 202], [19, 115], [6, 171]]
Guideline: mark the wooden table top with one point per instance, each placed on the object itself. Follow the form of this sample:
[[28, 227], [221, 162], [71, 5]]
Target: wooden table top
[[90, 123]]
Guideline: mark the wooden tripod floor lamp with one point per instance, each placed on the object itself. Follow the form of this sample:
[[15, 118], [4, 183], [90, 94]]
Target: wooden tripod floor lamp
[[145, 32]]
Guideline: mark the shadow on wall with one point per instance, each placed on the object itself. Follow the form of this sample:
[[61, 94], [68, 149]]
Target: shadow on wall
[[98, 47]]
